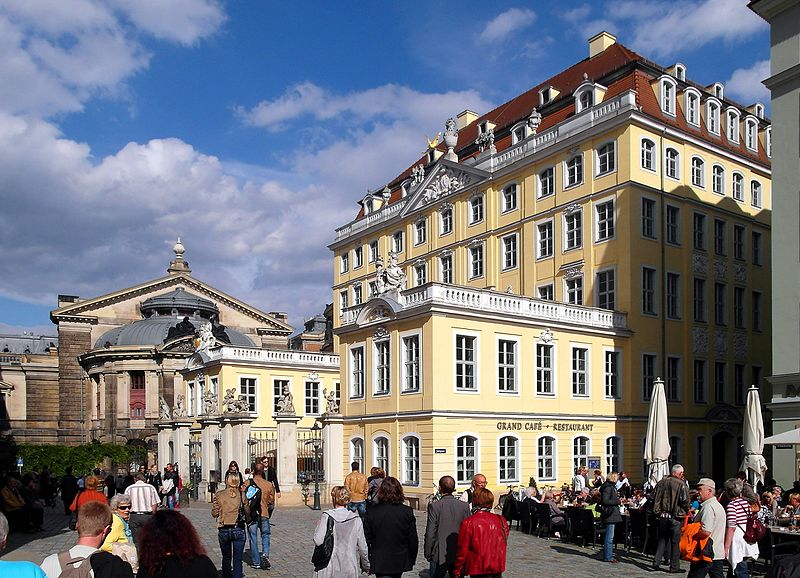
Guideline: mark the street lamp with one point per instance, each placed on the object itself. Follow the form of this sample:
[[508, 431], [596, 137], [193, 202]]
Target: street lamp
[[316, 441], [252, 443]]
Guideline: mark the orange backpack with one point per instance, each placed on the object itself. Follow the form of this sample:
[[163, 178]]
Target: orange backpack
[[695, 549]]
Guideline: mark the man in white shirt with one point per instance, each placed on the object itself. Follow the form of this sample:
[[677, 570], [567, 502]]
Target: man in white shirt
[[94, 523], [144, 502], [579, 481], [478, 481]]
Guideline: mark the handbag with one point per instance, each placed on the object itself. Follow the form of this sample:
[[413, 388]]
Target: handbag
[[754, 531], [241, 517], [322, 553]]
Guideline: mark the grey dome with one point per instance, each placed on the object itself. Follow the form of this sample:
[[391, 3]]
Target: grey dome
[[153, 331], [179, 301]]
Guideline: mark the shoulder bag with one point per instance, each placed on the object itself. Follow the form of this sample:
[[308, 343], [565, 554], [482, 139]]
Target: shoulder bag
[[754, 530], [322, 553]]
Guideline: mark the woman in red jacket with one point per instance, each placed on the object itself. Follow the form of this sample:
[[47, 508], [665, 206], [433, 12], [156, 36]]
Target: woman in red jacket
[[482, 540]]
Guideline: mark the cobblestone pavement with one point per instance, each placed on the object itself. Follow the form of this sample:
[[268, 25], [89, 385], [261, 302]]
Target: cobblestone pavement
[[528, 556]]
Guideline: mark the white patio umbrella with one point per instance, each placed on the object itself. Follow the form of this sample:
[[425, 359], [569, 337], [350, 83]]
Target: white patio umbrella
[[788, 437], [656, 445], [754, 463]]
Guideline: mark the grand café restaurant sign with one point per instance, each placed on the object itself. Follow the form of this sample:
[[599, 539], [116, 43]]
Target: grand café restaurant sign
[[538, 425]]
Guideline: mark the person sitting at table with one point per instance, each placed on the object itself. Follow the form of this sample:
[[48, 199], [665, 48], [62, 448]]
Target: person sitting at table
[[793, 507], [582, 497], [623, 486], [579, 481], [639, 499], [593, 503], [557, 519], [766, 512]]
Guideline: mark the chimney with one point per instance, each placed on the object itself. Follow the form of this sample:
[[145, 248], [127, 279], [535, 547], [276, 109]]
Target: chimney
[[599, 42], [64, 300], [465, 118]]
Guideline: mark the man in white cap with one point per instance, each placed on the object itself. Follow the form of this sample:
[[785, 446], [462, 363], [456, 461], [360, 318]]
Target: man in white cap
[[712, 517]]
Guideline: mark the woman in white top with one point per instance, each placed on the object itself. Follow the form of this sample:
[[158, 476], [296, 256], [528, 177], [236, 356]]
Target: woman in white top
[[349, 543]]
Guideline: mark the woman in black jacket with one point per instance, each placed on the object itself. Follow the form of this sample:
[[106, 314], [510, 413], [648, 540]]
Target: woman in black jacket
[[609, 514], [391, 532]]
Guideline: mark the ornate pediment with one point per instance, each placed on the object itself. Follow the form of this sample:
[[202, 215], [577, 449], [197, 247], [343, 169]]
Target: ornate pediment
[[445, 179]]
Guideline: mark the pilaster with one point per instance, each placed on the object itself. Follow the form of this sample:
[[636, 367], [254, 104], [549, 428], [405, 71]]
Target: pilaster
[[332, 448], [287, 451]]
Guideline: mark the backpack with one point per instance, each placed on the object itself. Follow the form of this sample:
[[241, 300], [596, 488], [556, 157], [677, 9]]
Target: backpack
[[68, 569], [253, 496], [321, 556], [754, 531]]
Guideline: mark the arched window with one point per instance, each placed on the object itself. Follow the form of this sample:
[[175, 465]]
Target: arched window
[[768, 141], [357, 452], [698, 172], [381, 451], [575, 170], [712, 117], [613, 453], [580, 452], [411, 461], [518, 133], [606, 159], [648, 155], [466, 461], [671, 163], [755, 194], [668, 96], [733, 125], [751, 134], [738, 187], [718, 179], [692, 108], [508, 457], [545, 458], [585, 100]]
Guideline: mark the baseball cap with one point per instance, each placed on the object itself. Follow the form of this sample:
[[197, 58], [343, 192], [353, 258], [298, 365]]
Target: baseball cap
[[708, 482]]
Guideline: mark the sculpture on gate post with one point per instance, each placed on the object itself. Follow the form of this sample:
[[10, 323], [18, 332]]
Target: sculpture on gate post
[[285, 402], [229, 401], [164, 409], [331, 405], [180, 410], [210, 403]]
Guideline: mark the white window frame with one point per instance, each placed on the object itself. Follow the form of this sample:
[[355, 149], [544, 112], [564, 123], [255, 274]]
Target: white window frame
[[473, 252], [768, 141], [713, 116], [584, 100], [580, 455], [351, 378], [379, 461], [680, 72], [476, 201], [505, 255], [756, 199], [516, 135], [420, 231], [553, 458], [509, 198], [618, 376], [344, 299], [373, 251], [549, 287], [697, 168], [442, 259], [751, 133], [672, 167], [577, 231], [598, 222], [404, 362], [358, 257], [610, 156], [515, 459], [740, 195], [475, 362], [586, 372], [647, 155], [539, 238], [541, 193], [354, 457], [732, 128], [447, 210], [255, 394], [668, 90], [344, 262], [376, 346], [357, 294], [612, 291], [515, 339], [552, 369], [718, 90], [307, 399], [574, 287], [689, 95], [476, 457], [718, 178], [398, 244], [576, 174], [407, 479], [617, 456], [420, 274]]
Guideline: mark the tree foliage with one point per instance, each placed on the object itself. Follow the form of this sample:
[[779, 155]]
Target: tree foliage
[[83, 459]]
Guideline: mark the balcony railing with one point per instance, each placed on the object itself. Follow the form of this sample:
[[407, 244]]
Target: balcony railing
[[488, 301], [288, 357]]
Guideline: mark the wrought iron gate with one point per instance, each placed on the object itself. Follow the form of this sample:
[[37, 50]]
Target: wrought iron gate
[[195, 463], [309, 442], [263, 443]]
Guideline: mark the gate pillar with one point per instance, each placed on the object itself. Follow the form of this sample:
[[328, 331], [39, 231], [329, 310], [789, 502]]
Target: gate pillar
[[287, 451], [180, 443], [333, 448], [209, 434], [164, 437]]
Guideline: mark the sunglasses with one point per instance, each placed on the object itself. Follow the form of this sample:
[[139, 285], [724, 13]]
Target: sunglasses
[[123, 507]]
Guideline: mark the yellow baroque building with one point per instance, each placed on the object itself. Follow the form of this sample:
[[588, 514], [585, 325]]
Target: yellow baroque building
[[505, 305]]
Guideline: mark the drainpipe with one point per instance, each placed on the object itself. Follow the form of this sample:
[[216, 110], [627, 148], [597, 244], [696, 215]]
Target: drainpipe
[[663, 248]]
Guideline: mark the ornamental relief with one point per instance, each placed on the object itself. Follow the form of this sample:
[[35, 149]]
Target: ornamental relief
[[573, 273], [546, 336], [740, 346], [699, 340], [720, 269], [573, 208], [444, 183], [740, 273], [699, 264], [720, 342]]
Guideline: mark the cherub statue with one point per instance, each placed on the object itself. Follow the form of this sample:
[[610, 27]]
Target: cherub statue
[[331, 405], [207, 338], [229, 401], [165, 414], [285, 403], [242, 405], [180, 410], [210, 403]]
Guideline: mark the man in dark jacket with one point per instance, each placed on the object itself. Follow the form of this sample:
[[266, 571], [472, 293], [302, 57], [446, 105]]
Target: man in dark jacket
[[609, 514], [391, 531], [441, 532], [670, 505]]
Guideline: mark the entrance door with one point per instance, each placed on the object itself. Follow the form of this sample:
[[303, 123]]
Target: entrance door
[[720, 457]]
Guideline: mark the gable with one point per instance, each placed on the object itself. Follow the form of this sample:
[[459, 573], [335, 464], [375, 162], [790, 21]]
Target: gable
[[446, 179]]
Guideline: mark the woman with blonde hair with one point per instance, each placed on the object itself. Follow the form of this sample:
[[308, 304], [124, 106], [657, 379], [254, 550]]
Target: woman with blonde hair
[[349, 555], [230, 507]]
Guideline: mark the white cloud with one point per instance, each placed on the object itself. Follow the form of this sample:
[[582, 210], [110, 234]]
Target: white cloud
[[505, 24], [184, 21], [745, 84]]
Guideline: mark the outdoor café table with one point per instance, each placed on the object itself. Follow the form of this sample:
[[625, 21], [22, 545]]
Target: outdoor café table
[[781, 537]]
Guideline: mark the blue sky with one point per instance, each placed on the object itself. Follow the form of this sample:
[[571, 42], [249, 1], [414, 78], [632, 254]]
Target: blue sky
[[250, 129]]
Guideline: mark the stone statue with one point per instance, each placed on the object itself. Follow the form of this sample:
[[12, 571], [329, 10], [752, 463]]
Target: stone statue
[[391, 278], [207, 338], [229, 401], [180, 409], [242, 405], [380, 286], [210, 403], [450, 125], [418, 174], [164, 413], [486, 140], [285, 403], [218, 330], [331, 405], [183, 328], [534, 120]]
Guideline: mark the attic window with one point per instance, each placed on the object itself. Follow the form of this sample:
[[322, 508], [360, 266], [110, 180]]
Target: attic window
[[768, 141], [733, 125], [759, 110], [585, 100], [751, 134], [667, 89], [483, 127], [518, 133], [545, 96], [431, 156], [680, 72], [719, 90], [692, 106], [369, 206]]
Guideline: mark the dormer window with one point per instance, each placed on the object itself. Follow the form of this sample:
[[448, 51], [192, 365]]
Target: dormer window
[[712, 116], [751, 133], [483, 127], [667, 89], [718, 90], [431, 156], [680, 72], [768, 141], [518, 133], [759, 110], [732, 124], [692, 106], [545, 96], [585, 100], [369, 206]]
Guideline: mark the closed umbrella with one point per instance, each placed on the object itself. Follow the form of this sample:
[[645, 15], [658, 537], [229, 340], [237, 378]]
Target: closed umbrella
[[754, 463], [656, 444]]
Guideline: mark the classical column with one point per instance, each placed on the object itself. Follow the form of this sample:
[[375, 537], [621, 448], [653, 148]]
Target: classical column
[[164, 437], [208, 437], [180, 443], [332, 448], [287, 451], [240, 433]]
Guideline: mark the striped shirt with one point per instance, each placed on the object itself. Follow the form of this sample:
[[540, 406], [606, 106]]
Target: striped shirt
[[143, 497], [736, 513]]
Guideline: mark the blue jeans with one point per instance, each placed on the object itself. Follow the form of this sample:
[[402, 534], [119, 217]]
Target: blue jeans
[[608, 545], [171, 502], [742, 570], [253, 529], [360, 507], [231, 540]]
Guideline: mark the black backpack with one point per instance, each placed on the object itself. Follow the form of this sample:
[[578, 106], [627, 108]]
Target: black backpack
[[253, 516]]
